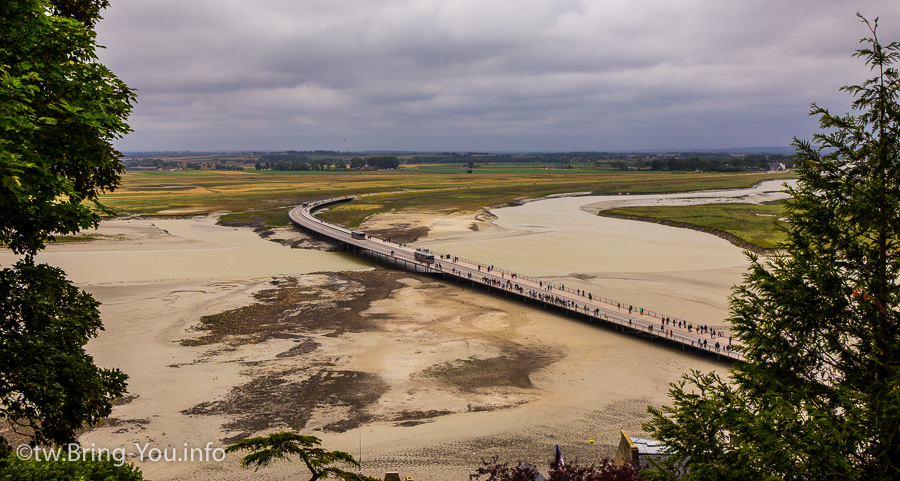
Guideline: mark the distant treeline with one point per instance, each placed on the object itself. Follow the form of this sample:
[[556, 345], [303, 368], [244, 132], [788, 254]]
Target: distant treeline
[[328, 160], [485, 157], [729, 164], [382, 162], [227, 167], [293, 165], [690, 161], [179, 164], [298, 161], [302, 156]]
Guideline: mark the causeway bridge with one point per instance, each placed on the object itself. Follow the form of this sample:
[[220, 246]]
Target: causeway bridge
[[628, 319]]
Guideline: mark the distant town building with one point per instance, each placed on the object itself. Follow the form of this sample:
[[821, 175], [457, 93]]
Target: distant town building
[[776, 167]]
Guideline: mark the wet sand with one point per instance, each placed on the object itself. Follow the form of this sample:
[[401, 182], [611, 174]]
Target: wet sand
[[424, 377], [159, 250], [676, 271]]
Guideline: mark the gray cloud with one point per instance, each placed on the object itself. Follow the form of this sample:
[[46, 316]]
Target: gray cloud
[[482, 74]]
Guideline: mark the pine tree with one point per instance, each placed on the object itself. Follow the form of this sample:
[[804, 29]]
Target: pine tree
[[819, 395]]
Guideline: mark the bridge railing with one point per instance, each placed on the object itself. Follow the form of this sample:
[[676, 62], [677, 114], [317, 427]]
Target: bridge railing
[[560, 287], [731, 352]]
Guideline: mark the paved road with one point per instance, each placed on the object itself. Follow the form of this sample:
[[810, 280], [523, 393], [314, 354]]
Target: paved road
[[596, 309]]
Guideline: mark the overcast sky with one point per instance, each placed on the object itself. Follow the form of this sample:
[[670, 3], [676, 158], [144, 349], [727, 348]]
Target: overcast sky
[[483, 75]]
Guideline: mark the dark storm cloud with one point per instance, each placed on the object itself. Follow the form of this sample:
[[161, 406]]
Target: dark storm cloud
[[482, 75]]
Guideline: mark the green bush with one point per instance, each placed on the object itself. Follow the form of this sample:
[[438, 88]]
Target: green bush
[[14, 469]]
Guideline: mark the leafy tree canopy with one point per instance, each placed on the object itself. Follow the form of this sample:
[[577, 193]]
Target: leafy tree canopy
[[819, 396], [49, 386], [85, 11], [384, 162], [59, 112], [60, 109]]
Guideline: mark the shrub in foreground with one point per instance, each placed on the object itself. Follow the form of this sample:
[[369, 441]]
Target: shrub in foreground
[[14, 469]]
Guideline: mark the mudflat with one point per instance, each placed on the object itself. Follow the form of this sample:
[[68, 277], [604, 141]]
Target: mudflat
[[406, 372]]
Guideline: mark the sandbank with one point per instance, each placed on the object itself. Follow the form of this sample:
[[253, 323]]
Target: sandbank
[[407, 372]]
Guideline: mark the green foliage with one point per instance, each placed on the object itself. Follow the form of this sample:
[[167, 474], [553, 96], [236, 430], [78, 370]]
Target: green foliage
[[282, 445], [85, 11], [819, 396], [56, 155], [699, 430], [384, 162], [49, 385], [14, 469], [729, 164], [258, 218], [59, 112]]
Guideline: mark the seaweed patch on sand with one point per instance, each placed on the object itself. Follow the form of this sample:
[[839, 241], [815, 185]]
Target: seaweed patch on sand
[[512, 368], [276, 400], [329, 302]]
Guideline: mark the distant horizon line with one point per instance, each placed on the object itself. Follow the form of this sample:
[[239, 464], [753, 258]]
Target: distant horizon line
[[754, 149]]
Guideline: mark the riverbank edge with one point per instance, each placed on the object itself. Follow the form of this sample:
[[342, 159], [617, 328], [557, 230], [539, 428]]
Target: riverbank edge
[[735, 240]]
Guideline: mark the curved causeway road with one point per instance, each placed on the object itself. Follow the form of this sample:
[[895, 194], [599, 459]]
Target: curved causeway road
[[650, 325]]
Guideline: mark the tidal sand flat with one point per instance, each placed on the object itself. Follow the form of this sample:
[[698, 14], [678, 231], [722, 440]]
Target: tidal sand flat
[[144, 250], [225, 337]]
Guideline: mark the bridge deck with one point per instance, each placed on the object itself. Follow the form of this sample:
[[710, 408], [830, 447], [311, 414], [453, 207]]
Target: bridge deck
[[646, 323]]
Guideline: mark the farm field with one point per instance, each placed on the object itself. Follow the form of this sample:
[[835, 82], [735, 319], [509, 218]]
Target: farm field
[[263, 197]]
